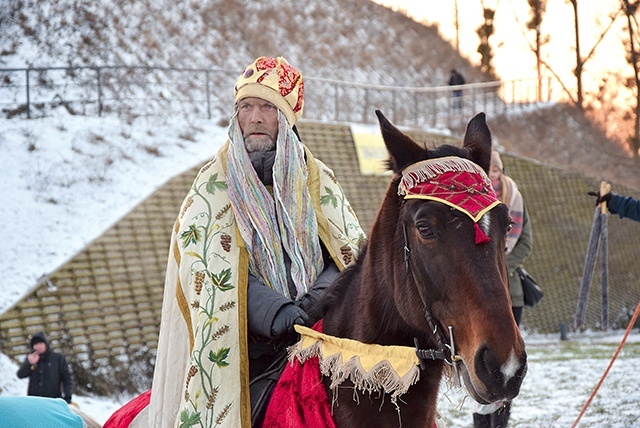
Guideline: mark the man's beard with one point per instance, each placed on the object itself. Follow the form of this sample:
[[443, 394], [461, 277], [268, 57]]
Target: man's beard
[[259, 143]]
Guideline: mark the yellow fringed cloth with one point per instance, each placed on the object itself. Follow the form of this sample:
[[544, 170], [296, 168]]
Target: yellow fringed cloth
[[300, 399], [371, 368], [201, 375]]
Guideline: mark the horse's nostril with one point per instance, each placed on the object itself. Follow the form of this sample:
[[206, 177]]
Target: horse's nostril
[[486, 360], [502, 378]]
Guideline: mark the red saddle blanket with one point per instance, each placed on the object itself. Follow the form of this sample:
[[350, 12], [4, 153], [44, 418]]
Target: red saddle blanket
[[299, 398], [123, 416]]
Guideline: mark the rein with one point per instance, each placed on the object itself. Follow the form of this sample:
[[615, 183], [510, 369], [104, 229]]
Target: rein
[[445, 351]]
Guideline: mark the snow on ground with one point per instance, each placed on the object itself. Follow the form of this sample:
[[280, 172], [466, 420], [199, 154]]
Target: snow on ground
[[65, 180]]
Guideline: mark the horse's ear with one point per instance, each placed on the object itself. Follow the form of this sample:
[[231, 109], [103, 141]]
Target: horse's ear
[[477, 139], [402, 149]]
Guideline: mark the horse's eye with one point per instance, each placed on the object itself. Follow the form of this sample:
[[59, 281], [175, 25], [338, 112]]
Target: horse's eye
[[509, 227], [425, 232]]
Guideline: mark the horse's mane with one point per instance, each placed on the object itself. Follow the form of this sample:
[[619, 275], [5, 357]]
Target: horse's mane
[[448, 150], [441, 151]]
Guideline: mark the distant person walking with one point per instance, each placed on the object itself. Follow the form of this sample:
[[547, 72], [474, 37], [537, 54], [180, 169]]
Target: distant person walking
[[456, 79], [624, 206], [48, 371]]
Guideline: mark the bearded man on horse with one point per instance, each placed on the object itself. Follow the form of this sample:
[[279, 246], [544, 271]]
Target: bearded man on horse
[[263, 230]]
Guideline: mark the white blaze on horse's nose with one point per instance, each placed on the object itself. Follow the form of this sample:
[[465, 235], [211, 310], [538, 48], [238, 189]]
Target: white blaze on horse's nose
[[485, 223], [511, 367]]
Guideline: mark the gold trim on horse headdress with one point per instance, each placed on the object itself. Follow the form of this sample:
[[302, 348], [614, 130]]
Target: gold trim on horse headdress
[[454, 181]]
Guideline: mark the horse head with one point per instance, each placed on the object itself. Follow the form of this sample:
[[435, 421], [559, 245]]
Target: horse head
[[448, 265]]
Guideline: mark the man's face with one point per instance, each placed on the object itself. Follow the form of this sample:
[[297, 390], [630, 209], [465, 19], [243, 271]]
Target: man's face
[[40, 347], [258, 121]]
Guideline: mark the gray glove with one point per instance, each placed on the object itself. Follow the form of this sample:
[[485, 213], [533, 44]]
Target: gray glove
[[286, 317]]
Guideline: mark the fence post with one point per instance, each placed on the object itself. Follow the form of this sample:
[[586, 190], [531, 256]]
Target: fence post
[[28, 99], [449, 107], [337, 103], [99, 91], [484, 98], [206, 73], [416, 108], [393, 102], [434, 108], [366, 105], [503, 97]]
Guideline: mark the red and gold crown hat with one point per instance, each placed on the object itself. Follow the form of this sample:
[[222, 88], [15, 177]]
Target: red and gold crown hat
[[274, 80], [454, 181]]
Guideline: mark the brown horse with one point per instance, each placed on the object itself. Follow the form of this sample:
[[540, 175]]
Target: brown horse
[[428, 269]]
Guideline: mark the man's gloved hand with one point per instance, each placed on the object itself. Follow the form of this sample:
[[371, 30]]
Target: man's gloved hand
[[286, 317], [601, 198], [305, 301]]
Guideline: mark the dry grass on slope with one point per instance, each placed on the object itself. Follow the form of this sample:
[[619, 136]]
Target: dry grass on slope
[[561, 136]]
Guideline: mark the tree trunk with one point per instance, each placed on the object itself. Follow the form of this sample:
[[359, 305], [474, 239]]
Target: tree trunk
[[578, 56], [635, 140]]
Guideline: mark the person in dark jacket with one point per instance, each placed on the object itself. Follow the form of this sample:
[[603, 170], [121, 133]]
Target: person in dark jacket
[[456, 79], [48, 371], [624, 206]]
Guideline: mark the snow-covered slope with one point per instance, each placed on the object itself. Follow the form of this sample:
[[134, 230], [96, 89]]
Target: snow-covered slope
[[65, 180]]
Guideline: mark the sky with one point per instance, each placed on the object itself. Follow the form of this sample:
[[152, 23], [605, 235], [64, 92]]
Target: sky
[[65, 180], [513, 58]]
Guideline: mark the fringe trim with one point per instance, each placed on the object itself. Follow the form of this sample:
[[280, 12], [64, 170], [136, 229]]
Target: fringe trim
[[381, 378], [428, 169]]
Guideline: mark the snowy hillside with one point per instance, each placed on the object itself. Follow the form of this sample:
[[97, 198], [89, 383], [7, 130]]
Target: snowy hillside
[[349, 40], [68, 179]]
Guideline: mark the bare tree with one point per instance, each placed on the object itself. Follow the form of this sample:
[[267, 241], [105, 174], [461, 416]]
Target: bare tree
[[580, 61], [457, 25], [630, 8], [485, 31], [537, 50], [538, 9]]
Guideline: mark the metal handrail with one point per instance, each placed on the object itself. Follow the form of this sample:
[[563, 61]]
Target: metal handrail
[[325, 98]]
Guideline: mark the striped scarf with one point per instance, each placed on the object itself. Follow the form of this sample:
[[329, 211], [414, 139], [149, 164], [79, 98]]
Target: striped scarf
[[507, 191], [290, 207]]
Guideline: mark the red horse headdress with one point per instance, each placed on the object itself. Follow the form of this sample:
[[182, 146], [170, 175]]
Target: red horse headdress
[[454, 181]]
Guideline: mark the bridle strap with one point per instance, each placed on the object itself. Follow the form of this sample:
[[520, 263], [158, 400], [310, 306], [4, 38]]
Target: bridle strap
[[406, 250], [429, 354], [445, 352]]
